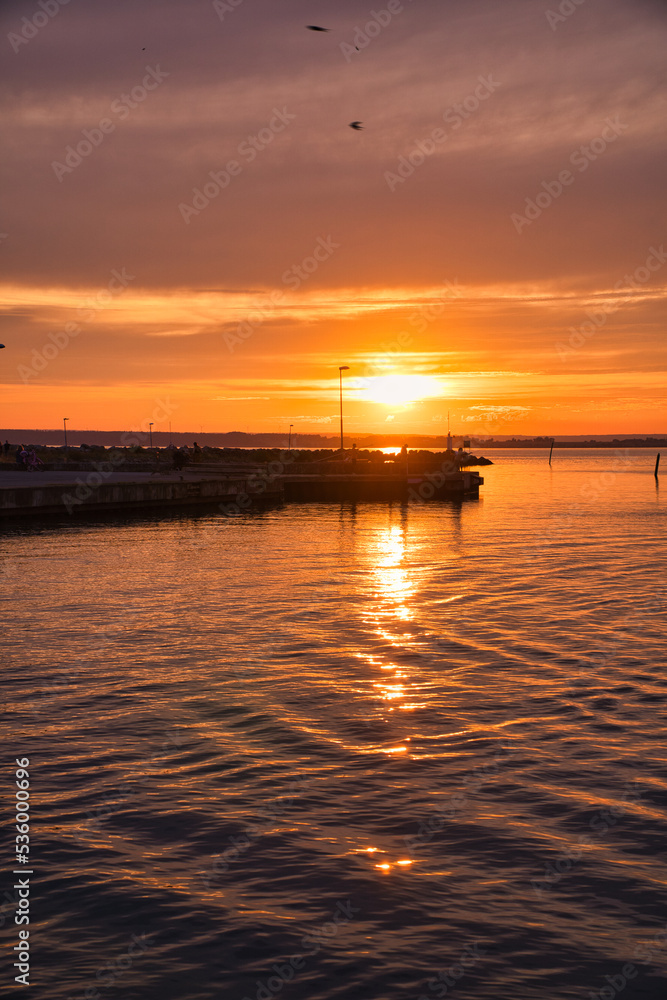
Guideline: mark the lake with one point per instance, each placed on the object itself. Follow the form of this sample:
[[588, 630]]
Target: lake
[[366, 752]]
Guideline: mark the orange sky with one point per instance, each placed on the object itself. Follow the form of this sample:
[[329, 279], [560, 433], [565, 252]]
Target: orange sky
[[495, 229]]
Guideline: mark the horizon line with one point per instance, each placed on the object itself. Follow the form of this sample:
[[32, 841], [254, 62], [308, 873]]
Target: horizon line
[[332, 435]]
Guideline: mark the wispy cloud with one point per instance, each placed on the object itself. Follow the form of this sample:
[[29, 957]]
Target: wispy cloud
[[380, 300]]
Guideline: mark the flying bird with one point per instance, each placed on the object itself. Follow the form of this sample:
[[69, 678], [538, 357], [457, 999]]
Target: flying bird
[[356, 125], [316, 27]]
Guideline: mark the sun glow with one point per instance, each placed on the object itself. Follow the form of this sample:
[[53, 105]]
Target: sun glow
[[399, 390]]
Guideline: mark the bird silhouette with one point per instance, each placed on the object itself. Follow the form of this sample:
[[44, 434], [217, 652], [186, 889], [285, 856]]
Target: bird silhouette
[[356, 125], [316, 27]]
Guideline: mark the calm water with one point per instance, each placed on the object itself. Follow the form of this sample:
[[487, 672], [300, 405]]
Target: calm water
[[422, 747]]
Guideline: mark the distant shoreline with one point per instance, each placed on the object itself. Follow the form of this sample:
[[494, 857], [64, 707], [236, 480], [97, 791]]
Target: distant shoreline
[[616, 443], [239, 439]]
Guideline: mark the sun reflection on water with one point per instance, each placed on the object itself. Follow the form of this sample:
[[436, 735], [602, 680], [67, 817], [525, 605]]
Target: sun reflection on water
[[393, 586], [392, 591]]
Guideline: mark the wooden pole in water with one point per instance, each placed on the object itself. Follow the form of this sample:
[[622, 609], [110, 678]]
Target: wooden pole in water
[[553, 441], [657, 463]]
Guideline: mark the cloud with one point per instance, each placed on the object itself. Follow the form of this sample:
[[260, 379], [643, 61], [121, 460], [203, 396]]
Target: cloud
[[500, 411], [450, 221], [174, 333], [306, 418], [494, 413], [224, 80]]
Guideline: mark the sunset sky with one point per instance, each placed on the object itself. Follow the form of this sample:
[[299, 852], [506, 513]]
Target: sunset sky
[[491, 243]]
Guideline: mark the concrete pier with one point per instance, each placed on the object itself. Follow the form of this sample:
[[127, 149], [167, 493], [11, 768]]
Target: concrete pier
[[83, 491], [362, 486], [344, 487], [37, 493]]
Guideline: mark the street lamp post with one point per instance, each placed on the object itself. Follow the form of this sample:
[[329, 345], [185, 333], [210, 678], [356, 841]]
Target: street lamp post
[[289, 442], [341, 369], [65, 419], [150, 434]]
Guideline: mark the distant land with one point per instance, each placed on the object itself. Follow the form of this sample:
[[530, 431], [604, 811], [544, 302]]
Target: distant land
[[239, 439]]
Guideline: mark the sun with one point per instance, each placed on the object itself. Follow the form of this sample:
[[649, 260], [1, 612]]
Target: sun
[[399, 390]]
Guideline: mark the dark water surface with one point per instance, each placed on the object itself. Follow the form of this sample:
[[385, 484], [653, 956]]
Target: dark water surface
[[422, 747]]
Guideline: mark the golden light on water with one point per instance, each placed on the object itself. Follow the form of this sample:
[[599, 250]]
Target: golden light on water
[[394, 586], [389, 614], [386, 866], [391, 691]]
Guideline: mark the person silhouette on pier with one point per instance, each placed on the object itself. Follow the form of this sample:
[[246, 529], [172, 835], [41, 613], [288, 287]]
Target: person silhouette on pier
[[179, 460]]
